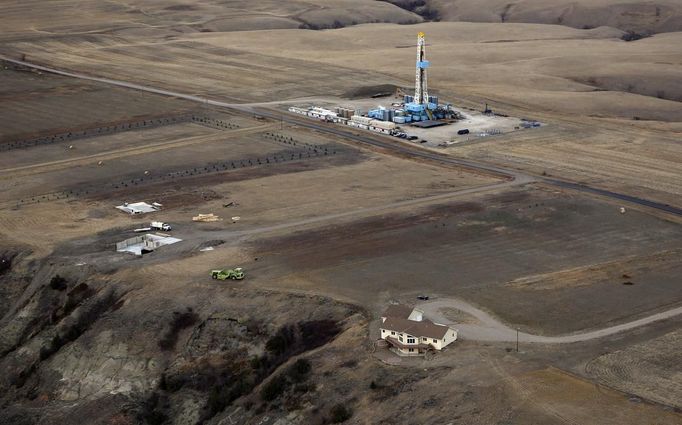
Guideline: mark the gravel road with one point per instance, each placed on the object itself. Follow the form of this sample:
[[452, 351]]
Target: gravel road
[[488, 328]]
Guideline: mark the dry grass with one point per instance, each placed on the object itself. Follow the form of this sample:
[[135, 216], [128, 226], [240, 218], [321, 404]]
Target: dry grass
[[648, 369], [613, 272], [35, 20], [655, 16], [575, 401]]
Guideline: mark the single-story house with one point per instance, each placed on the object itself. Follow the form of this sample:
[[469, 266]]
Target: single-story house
[[410, 334]]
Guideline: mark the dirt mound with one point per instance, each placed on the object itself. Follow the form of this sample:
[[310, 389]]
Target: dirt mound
[[638, 17]]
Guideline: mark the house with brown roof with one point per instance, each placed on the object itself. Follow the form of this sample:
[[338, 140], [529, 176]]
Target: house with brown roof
[[410, 334]]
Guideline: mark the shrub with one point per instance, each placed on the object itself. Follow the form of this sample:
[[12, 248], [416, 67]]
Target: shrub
[[340, 413], [156, 417], [5, 262], [291, 340], [180, 321], [217, 401], [76, 297], [281, 341], [58, 283], [304, 388], [300, 370], [274, 388], [152, 410], [259, 362], [254, 327], [634, 36], [350, 363], [81, 323], [316, 333]]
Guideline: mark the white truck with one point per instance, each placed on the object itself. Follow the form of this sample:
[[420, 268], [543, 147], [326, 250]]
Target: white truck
[[160, 225]]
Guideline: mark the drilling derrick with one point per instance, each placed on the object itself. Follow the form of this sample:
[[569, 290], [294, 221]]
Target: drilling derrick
[[421, 92], [422, 107]]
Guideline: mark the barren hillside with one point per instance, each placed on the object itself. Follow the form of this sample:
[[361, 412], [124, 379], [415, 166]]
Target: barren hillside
[[639, 17], [39, 19]]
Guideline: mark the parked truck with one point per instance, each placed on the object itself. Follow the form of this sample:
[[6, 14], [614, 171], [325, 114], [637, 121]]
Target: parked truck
[[235, 274], [160, 225]]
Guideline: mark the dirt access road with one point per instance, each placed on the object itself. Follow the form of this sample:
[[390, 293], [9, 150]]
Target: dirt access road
[[488, 328], [512, 174]]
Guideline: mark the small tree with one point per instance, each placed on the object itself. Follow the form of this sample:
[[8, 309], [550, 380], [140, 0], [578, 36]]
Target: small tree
[[340, 413]]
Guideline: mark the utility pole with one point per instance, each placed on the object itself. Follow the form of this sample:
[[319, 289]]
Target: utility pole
[[517, 340]]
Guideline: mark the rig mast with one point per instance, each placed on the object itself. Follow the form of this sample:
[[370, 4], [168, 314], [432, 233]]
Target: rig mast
[[421, 93]]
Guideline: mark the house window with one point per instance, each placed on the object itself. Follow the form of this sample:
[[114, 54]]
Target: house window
[[425, 339], [392, 332], [435, 340], [400, 338], [411, 350], [410, 340]]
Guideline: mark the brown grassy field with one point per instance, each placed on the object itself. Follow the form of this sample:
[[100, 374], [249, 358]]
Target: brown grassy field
[[613, 105], [143, 18]]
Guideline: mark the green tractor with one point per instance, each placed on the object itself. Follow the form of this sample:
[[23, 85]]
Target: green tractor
[[235, 274]]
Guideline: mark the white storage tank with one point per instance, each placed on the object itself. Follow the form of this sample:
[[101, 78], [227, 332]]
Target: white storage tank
[[384, 125], [361, 120]]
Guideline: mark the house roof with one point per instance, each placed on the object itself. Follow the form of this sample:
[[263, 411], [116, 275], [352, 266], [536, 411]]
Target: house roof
[[397, 310], [424, 328]]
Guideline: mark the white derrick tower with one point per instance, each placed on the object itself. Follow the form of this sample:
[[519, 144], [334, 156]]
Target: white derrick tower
[[421, 92]]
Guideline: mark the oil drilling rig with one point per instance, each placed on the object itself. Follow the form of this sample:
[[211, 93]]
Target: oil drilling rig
[[421, 106], [421, 109]]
